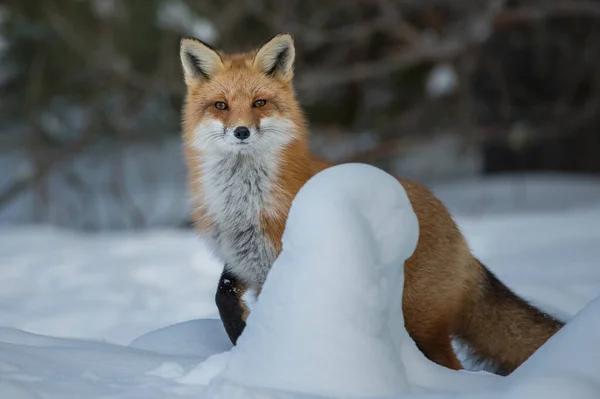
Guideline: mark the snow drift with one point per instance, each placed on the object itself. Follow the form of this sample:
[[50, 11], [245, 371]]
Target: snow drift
[[328, 325], [333, 297]]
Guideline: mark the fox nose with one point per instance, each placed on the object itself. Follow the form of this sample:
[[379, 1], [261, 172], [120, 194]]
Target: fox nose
[[241, 132]]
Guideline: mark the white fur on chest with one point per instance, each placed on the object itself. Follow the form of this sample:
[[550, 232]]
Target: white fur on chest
[[236, 190]]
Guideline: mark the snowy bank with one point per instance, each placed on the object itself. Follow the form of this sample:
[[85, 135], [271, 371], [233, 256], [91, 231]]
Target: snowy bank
[[328, 324]]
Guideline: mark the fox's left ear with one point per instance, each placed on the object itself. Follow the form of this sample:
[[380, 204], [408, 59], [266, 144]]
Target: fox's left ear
[[276, 57]]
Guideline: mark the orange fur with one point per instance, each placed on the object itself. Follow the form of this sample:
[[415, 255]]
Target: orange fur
[[447, 292]]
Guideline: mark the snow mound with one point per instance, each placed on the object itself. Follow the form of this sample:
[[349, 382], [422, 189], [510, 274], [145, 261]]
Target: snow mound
[[328, 325], [349, 248], [182, 339]]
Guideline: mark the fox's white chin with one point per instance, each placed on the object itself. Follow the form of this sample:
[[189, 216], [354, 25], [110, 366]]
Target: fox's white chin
[[239, 147], [272, 135]]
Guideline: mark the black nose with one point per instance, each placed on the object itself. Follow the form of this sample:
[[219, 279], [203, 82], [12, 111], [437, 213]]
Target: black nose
[[241, 132]]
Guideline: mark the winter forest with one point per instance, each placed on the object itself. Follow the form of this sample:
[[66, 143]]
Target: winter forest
[[107, 288]]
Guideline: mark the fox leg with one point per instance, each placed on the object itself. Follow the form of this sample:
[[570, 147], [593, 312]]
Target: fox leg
[[439, 350], [231, 306], [432, 336]]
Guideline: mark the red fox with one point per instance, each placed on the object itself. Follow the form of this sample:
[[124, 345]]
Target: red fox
[[247, 153]]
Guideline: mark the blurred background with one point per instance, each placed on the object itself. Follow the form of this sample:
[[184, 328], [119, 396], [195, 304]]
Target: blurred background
[[438, 91]]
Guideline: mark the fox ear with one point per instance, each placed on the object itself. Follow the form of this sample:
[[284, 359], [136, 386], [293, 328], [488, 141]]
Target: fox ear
[[276, 57], [199, 60]]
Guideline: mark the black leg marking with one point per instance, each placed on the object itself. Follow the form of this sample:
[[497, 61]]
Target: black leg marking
[[229, 302]]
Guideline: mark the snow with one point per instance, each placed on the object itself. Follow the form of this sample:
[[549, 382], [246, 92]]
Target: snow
[[112, 286], [136, 311], [442, 81]]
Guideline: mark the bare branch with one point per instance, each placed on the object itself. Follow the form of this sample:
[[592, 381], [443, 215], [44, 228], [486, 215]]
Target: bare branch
[[447, 49], [572, 8]]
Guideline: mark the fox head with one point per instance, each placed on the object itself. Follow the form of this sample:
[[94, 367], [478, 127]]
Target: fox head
[[240, 102]]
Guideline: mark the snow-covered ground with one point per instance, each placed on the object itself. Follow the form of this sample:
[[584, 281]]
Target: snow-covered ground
[[131, 315]]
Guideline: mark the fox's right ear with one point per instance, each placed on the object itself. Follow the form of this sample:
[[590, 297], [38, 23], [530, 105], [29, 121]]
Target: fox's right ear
[[199, 60]]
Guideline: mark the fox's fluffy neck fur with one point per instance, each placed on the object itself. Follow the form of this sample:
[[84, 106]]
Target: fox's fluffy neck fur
[[245, 197]]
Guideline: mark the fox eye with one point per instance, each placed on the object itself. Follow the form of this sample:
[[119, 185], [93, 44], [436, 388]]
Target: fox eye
[[220, 105], [260, 103]]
